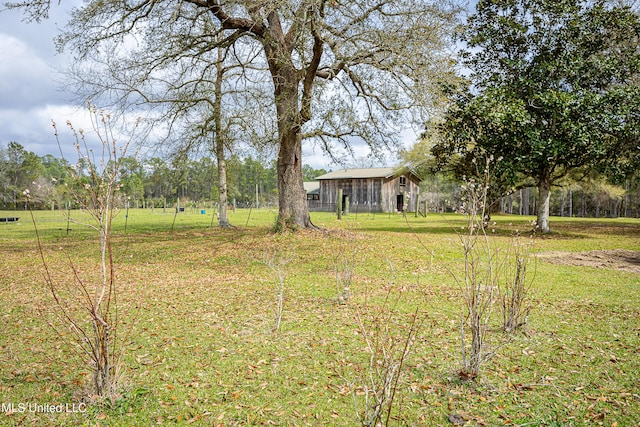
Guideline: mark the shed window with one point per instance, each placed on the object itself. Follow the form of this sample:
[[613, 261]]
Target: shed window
[[403, 181]]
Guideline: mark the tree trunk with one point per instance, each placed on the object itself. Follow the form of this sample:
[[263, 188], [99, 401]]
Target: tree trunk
[[293, 212], [625, 204], [570, 203], [544, 191], [524, 201], [520, 205], [223, 218]]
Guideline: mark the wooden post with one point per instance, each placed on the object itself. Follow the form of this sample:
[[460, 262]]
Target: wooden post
[[339, 204], [346, 205], [126, 216], [68, 216], [405, 203]]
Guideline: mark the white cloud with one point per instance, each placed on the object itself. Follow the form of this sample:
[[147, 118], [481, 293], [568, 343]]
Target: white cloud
[[32, 127], [29, 95], [25, 78]]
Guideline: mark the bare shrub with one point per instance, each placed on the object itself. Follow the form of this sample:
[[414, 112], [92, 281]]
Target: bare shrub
[[388, 335], [277, 260], [515, 287], [480, 279], [344, 263], [492, 274], [88, 307]]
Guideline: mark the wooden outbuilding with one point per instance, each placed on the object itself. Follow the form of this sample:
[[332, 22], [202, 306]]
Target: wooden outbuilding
[[368, 190]]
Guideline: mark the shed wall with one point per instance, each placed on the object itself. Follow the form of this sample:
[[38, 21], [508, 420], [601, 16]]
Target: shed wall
[[368, 194]]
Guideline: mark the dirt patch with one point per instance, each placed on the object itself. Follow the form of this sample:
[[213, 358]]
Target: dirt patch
[[617, 259]]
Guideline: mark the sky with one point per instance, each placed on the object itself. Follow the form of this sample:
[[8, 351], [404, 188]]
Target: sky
[[31, 96], [29, 91]]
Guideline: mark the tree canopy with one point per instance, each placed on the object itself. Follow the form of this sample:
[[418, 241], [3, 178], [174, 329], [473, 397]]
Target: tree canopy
[[553, 89], [336, 70]]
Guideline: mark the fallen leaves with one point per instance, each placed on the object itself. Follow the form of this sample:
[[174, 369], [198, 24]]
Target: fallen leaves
[[202, 346], [456, 419]]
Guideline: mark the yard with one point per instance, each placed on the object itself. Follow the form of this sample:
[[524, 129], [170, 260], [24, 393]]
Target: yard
[[198, 307]]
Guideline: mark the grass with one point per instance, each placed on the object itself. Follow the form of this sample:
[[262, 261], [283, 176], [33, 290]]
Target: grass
[[200, 309]]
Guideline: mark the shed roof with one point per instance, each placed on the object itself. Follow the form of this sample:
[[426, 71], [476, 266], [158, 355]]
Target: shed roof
[[359, 173], [311, 187]]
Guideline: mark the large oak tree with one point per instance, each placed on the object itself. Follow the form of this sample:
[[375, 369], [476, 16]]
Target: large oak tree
[[554, 89], [339, 69]]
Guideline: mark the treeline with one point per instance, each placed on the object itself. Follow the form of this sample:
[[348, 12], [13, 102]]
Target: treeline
[[148, 182], [593, 196], [159, 182]]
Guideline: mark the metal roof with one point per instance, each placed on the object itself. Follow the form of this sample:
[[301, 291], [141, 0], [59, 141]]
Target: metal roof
[[359, 173], [311, 187]]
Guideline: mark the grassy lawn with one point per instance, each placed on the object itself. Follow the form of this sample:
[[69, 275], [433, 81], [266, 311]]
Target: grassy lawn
[[198, 307]]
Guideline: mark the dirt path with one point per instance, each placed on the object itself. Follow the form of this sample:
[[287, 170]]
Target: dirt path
[[618, 259]]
